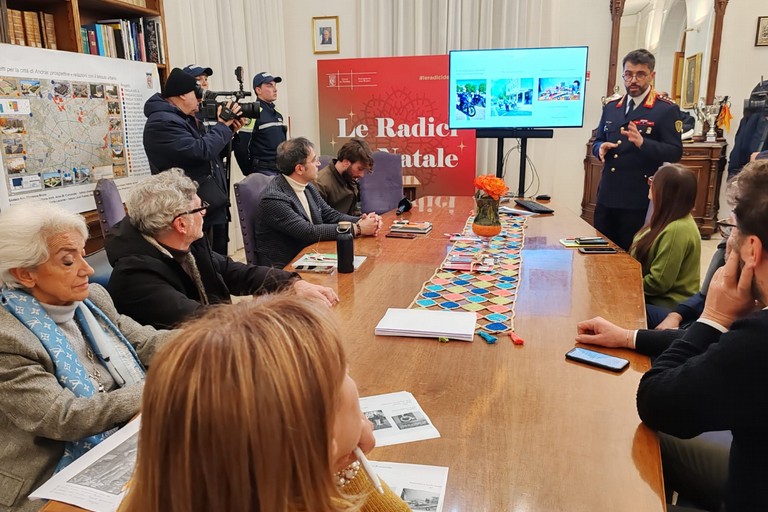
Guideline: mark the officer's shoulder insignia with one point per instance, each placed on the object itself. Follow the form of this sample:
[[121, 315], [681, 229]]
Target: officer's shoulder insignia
[[665, 99], [679, 126]]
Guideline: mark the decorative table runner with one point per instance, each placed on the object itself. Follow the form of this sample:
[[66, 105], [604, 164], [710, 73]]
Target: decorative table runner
[[490, 295]]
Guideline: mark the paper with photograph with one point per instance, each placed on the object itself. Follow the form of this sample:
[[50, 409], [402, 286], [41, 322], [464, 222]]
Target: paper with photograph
[[397, 418], [421, 487], [96, 481]]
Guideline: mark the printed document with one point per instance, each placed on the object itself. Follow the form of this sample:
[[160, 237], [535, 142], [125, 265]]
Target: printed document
[[397, 418]]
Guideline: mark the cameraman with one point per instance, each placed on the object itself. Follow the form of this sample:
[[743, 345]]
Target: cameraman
[[269, 129], [172, 138]]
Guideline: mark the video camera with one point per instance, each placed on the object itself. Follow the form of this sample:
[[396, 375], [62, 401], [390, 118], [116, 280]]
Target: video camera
[[209, 106]]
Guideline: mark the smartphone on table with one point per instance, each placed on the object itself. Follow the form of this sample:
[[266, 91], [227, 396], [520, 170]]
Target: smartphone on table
[[400, 235], [597, 359], [597, 250]]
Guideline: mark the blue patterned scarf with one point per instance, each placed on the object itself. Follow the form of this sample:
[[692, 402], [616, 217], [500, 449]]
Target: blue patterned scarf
[[68, 369]]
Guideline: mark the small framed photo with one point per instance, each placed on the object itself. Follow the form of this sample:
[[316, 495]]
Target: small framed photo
[[325, 34], [761, 38]]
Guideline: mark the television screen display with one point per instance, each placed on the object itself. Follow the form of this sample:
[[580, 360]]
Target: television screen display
[[517, 88]]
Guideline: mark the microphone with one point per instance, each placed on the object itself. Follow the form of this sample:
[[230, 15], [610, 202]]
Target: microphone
[[403, 206]]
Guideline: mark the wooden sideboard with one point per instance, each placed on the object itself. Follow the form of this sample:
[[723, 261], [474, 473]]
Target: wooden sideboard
[[706, 159]]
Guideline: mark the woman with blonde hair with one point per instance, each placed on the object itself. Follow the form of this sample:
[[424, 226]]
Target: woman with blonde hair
[[669, 246], [251, 408]]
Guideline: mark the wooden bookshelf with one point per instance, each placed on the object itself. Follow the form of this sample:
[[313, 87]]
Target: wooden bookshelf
[[69, 15]]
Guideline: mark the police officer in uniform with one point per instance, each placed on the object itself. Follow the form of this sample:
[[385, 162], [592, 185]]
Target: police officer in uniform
[[268, 130], [637, 133]]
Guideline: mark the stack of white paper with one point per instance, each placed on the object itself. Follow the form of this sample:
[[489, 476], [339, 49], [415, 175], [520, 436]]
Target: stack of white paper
[[423, 323]]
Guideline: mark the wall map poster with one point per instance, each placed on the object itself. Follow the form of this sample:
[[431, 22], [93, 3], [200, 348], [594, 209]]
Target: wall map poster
[[68, 120], [399, 105]]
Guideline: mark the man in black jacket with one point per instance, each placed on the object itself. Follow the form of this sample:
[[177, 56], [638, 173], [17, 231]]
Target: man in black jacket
[[713, 378], [164, 271], [173, 138]]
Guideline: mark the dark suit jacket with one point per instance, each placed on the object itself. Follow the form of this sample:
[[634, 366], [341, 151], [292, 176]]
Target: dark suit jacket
[[623, 183], [282, 226]]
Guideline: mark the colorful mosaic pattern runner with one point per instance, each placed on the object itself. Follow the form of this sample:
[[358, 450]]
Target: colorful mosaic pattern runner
[[491, 295]]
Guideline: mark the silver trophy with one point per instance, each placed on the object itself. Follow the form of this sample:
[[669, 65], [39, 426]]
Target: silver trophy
[[710, 114], [699, 111]]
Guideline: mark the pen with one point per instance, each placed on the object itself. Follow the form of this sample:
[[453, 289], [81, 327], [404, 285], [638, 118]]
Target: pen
[[372, 476]]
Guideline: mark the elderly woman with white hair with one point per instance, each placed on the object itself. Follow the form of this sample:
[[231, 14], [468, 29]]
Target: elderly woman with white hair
[[71, 368]]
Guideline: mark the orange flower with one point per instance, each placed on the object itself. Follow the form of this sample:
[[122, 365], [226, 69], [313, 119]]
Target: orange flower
[[490, 185]]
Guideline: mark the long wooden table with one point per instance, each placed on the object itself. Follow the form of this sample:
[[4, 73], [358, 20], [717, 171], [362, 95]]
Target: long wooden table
[[522, 429]]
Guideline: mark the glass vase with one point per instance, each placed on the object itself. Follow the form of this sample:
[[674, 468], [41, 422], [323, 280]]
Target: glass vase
[[486, 223]]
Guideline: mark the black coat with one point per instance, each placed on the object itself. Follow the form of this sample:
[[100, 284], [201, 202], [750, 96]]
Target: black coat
[[623, 183], [153, 288], [173, 139]]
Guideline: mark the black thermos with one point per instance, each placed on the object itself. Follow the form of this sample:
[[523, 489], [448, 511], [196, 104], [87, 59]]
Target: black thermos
[[345, 247]]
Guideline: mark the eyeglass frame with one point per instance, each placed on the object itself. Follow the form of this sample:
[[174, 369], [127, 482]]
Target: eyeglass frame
[[639, 76], [725, 227], [203, 206]]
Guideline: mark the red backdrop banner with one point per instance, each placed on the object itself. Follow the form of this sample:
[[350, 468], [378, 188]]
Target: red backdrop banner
[[399, 105]]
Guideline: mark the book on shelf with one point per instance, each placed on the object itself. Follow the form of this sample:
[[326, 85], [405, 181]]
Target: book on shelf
[[16, 27], [49, 24], [411, 227], [139, 39], [32, 29]]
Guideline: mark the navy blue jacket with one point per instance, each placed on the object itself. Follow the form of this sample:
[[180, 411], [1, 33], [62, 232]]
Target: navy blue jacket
[[268, 132], [173, 139], [623, 183]]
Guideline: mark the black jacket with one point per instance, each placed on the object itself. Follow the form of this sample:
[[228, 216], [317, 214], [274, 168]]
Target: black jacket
[[153, 288], [173, 139], [708, 381], [623, 182]]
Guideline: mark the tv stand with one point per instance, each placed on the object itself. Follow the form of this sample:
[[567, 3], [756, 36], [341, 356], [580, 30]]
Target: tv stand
[[513, 133]]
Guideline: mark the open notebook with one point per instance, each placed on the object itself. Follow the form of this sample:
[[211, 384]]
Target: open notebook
[[423, 323]]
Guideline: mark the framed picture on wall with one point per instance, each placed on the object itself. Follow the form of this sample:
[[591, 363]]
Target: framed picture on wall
[[761, 38], [325, 34], [692, 78]]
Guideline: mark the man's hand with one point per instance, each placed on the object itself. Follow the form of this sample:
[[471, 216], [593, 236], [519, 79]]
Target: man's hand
[[234, 107], [605, 147], [671, 321], [599, 331], [633, 134], [313, 291], [730, 292], [370, 224], [238, 123]]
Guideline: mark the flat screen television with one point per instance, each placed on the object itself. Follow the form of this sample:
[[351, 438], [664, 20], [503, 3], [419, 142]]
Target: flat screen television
[[517, 88]]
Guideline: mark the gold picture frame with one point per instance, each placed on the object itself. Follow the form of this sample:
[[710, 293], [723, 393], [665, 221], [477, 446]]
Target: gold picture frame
[[761, 37], [325, 34], [692, 80]]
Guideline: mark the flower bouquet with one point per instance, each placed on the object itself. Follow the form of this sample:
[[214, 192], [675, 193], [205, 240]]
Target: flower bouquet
[[490, 190]]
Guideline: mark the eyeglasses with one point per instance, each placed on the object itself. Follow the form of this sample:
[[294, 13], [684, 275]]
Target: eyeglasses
[[315, 161], [725, 227], [639, 76], [203, 206]]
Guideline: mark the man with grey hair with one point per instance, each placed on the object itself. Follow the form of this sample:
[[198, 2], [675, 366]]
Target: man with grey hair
[[292, 214], [164, 269]]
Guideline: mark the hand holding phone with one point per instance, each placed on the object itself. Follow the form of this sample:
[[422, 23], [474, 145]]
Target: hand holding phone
[[597, 359]]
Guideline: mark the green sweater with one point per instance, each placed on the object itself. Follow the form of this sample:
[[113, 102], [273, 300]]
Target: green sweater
[[671, 272]]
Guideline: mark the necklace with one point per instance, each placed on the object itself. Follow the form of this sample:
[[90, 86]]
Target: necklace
[[96, 375], [347, 474]]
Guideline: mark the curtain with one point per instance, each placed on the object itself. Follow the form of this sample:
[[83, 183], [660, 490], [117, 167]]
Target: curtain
[[224, 34]]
